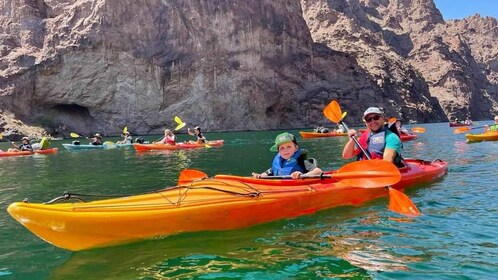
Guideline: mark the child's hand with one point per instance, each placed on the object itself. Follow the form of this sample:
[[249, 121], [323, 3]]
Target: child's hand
[[256, 175]]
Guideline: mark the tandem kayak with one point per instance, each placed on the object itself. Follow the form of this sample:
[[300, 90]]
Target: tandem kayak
[[454, 124], [27, 153], [106, 145], [160, 146], [221, 203], [307, 134], [486, 136]]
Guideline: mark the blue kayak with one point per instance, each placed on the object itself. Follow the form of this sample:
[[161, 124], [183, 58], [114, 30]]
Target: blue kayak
[[106, 145]]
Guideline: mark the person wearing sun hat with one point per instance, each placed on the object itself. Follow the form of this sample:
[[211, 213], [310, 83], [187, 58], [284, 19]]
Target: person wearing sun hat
[[379, 142], [493, 127], [25, 146], [290, 160], [197, 132], [96, 139], [127, 138]]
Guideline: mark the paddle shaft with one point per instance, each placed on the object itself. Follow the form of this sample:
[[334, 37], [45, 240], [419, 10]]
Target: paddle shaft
[[366, 153], [321, 176]]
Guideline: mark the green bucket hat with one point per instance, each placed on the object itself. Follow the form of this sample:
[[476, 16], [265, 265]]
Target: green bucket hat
[[280, 139]]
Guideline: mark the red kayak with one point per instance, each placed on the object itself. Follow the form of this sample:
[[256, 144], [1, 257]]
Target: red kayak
[[454, 124], [187, 145], [407, 137], [27, 153], [306, 134]]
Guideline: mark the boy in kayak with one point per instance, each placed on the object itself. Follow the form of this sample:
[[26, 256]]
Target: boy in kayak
[[379, 142], [44, 142], [25, 146], [169, 138], [127, 139], [290, 160], [197, 132], [493, 127]]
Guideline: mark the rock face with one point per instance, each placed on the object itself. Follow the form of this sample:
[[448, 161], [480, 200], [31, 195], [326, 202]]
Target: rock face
[[99, 65]]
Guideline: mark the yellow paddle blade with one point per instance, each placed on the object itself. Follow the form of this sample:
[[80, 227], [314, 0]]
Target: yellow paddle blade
[[74, 135], [125, 129], [333, 112], [1, 135], [400, 203], [344, 115], [180, 126], [368, 173], [462, 129], [207, 146], [178, 120], [109, 145], [418, 129], [189, 175]]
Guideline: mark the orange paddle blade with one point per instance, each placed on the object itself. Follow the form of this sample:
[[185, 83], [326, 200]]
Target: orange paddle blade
[[418, 129], [462, 129], [189, 175], [400, 203], [333, 112], [368, 174], [391, 120]]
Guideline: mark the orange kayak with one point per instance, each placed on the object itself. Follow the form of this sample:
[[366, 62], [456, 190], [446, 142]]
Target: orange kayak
[[160, 146], [27, 153], [221, 203], [307, 134]]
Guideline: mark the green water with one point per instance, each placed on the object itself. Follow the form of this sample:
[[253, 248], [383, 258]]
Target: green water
[[456, 238]]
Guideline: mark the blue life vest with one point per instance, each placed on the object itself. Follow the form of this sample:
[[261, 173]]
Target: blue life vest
[[281, 167]]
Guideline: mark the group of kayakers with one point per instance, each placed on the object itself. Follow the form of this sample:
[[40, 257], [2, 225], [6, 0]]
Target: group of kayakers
[[381, 141], [321, 129]]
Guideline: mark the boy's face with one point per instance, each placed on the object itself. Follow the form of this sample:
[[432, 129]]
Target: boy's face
[[287, 149]]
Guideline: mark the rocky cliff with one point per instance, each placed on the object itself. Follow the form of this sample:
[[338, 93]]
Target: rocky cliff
[[99, 65]]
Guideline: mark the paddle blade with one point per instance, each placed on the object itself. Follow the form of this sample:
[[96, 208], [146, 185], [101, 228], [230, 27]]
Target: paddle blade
[[462, 129], [178, 120], [391, 120], [189, 175], [368, 173], [74, 135], [333, 112], [400, 203], [125, 129], [344, 115], [1, 135], [180, 126], [418, 129]]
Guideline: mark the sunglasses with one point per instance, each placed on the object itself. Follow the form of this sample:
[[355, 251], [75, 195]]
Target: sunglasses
[[375, 118]]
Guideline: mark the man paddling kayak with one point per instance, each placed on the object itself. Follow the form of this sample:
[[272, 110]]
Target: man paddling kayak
[[290, 160], [493, 127], [378, 141]]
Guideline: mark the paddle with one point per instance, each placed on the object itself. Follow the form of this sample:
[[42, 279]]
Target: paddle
[[180, 123], [125, 129], [418, 129], [75, 135], [398, 201], [364, 174], [463, 129]]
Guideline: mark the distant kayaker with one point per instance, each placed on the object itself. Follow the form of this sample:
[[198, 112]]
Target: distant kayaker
[[197, 132], [169, 138], [25, 146], [127, 138], [290, 160], [493, 127], [96, 139], [378, 141], [340, 129], [401, 128], [467, 121]]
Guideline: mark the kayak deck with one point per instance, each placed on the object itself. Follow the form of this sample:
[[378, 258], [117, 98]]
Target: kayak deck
[[207, 204], [487, 136]]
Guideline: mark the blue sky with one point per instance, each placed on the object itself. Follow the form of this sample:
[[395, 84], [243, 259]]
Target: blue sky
[[458, 9]]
